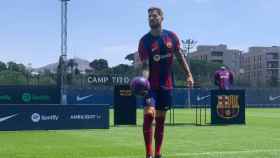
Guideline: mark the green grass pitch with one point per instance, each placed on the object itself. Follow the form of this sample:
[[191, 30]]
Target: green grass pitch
[[259, 138]]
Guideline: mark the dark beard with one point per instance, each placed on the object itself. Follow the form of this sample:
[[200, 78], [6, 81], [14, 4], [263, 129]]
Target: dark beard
[[156, 26]]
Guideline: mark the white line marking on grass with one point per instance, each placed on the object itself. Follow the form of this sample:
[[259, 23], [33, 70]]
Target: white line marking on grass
[[202, 153], [265, 116], [227, 152]]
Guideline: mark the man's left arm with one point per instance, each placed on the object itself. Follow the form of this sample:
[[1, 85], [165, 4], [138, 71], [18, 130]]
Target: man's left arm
[[183, 63]]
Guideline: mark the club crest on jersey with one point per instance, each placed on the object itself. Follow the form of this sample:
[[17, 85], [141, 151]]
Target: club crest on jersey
[[169, 45]]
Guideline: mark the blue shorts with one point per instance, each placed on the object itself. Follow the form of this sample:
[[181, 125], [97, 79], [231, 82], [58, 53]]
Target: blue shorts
[[160, 99]]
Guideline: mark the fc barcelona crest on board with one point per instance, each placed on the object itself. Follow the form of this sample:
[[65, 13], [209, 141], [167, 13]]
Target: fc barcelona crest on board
[[227, 107]]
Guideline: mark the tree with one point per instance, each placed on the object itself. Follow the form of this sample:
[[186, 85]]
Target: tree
[[72, 64], [76, 71], [12, 66], [99, 65], [2, 66], [21, 68], [123, 69], [202, 71], [12, 78], [130, 57]]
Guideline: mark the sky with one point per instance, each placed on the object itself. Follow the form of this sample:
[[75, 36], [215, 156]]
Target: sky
[[108, 29]]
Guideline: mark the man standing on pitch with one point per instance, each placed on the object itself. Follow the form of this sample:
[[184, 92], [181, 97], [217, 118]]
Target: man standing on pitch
[[156, 51], [223, 78]]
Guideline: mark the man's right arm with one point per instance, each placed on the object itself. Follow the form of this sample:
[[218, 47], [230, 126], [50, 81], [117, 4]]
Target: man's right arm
[[142, 66], [145, 69], [143, 59]]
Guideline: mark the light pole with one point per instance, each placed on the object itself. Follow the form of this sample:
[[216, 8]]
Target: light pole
[[188, 44], [63, 56]]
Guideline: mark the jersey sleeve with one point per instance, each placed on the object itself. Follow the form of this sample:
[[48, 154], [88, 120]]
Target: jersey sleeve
[[177, 41], [142, 51]]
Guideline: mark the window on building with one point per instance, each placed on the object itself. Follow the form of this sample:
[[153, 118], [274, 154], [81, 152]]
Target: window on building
[[217, 53], [272, 64], [272, 55], [218, 61]]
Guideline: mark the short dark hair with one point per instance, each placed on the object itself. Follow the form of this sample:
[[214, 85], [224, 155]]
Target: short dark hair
[[160, 12]]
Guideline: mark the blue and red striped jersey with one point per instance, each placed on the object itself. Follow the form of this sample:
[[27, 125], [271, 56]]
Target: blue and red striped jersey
[[223, 79], [159, 51]]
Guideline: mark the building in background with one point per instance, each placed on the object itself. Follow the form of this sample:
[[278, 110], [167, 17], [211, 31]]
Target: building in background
[[219, 54], [261, 66]]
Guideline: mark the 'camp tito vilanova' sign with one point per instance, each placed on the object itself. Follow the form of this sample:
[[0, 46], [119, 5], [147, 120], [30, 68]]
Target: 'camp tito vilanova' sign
[[108, 80]]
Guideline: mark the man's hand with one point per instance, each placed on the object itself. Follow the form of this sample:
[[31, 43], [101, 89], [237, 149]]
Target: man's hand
[[145, 73], [189, 81]]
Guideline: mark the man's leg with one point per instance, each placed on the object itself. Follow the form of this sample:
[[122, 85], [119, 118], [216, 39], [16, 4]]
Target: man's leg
[[149, 114], [164, 102], [159, 131]]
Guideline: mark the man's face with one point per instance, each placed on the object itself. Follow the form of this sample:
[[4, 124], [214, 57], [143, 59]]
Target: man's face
[[155, 19]]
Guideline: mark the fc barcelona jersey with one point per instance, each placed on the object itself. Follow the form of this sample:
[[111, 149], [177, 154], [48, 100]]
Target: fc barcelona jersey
[[159, 50], [223, 79]]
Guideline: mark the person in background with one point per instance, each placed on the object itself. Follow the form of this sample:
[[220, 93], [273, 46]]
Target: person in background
[[223, 78]]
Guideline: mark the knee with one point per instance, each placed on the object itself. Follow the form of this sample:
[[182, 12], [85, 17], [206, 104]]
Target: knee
[[149, 111]]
